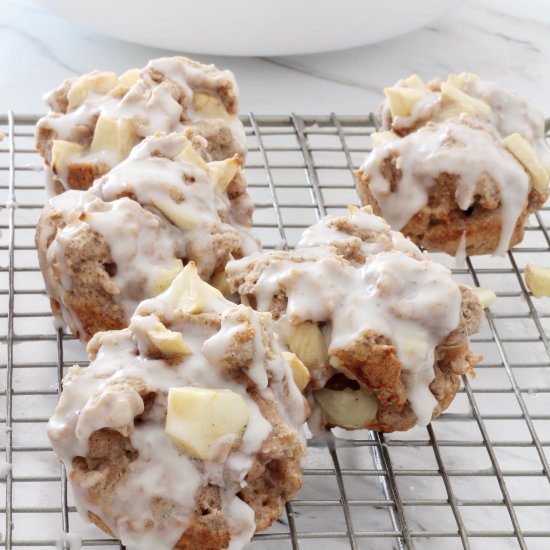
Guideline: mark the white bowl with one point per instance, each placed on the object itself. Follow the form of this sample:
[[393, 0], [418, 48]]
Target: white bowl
[[253, 27]]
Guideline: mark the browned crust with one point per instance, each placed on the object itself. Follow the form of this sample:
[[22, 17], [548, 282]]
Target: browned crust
[[95, 316], [87, 258], [207, 528], [82, 175], [440, 229]]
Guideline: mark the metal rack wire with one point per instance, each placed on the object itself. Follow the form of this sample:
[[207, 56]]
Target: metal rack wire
[[476, 478]]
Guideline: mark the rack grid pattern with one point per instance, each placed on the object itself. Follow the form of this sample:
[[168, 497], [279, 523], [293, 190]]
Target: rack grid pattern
[[476, 478]]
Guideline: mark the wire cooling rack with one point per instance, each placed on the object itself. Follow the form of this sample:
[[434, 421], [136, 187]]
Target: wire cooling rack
[[476, 478]]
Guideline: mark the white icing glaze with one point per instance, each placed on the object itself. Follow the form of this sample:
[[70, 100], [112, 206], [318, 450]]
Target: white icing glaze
[[453, 147], [154, 179], [510, 113], [149, 106], [325, 234], [89, 402], [400, 294], [460, 254], [71, 541]]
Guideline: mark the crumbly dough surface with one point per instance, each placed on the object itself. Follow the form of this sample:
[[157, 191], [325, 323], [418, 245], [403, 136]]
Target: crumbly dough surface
[[362, 317]]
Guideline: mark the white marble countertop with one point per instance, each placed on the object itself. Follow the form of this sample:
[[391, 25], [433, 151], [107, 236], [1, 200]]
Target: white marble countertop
[[501, 40]]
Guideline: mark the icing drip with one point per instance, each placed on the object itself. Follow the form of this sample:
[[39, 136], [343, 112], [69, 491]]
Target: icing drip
[[460, 255]]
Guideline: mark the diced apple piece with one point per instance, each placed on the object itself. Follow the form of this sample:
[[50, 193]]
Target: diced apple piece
[[219, 281], [402, 100], [538, 280], [456, 110], [527, 157], [458, 80], [200, 420], [62, 153], [190, 294], [381, 138], [452, 94], [175, 213], [126, 137], [299, 371], [223, 171], [169, 343], [414, 344], [347, 408], [163, 277], [189, 154], [209, 106], [307, 342], [103, 82], [114, 135], [158, 338], [486, 296], [414, 81], [129, 78], [77, 93], [105, 135]]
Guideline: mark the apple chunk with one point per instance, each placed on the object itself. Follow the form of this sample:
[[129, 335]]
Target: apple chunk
[[158, 339], [115, 135], [162, 277], [402, 100], [381, 138], [347, 408], [299, 371], [414, 81], [307, 342], [77, 93], [129, 78], [62, 154], [223, 171], [201, 421], [452, 94], [209, 106], [190, 294], [538, 280], [486, 296], [527, 157], [459, 80]]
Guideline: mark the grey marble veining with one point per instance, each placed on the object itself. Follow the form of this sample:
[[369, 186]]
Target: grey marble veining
[[503, 41]]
